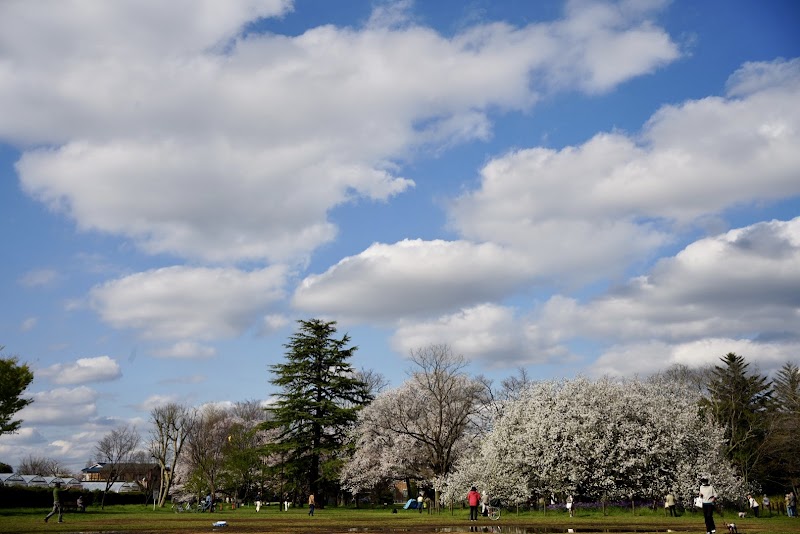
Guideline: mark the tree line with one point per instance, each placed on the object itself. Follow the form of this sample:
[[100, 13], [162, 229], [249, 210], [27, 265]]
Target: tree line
[[340, 433]]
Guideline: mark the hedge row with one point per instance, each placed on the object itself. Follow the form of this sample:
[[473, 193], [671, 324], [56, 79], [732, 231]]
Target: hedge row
[[27, 497]]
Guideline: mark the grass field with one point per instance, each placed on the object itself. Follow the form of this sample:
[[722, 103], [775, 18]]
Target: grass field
[[135, 518]]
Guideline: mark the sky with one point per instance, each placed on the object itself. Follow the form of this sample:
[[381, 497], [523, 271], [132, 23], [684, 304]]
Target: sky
[[578, 188]]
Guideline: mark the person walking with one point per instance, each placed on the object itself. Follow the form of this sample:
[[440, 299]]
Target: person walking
[[709, 497], [766, 504], [753, 504], [473, 499], [669, 504], [571, 505], [258, 501], [56, 504], [791, 504], [420, 501], [311, 505]]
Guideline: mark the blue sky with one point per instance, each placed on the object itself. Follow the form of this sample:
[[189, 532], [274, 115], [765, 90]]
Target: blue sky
[[578, 188]]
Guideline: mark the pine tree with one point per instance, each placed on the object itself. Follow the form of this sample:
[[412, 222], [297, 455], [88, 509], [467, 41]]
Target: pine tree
[[741, 402], [787, 388], [318, 403], [783, 446]]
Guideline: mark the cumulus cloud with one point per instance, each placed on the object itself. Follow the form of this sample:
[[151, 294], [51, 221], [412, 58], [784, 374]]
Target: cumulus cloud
[[154, 401], [647, 358], [179, 303], [186, 350], [736, 291], [61, 406], [26, 435], [733, 292], [273, 322], [219, 145], [580, 214], [493, 334], [412, 277], [618, 197], [83, 370]]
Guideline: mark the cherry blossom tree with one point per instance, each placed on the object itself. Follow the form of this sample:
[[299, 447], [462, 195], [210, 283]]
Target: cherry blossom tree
[[602, 439]]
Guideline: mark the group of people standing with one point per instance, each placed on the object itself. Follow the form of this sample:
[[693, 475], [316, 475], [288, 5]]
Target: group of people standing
[[791, 504], [789, 499], [709, 498], [475, 499]]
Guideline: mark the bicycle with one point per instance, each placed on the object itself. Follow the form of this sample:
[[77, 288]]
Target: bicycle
[[493, 512], [180, 508]]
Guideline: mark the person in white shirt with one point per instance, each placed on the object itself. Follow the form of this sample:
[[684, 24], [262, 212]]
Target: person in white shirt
[[709, 496], [753, 504]]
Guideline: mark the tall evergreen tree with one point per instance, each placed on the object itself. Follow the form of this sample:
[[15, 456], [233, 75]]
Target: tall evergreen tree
[[741, 401], [783, 445], [318, 403], [787, 388]]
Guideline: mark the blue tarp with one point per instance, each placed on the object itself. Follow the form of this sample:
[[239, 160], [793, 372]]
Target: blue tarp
[[410, 505]]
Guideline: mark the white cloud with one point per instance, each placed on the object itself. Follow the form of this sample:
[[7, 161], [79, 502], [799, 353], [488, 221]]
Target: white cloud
[[83, 370], [755, 76], [26, 435], [647, 358], [154, 401], [594, 209], [577, 215], [487, 332], [734, 292], [274, 322], [186, 350], [211, 145], [60, 406], [178, 303], [412, 277], [728, 293]]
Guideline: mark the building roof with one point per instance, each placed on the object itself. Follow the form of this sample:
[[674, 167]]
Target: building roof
[[34, 480], [11, 479]]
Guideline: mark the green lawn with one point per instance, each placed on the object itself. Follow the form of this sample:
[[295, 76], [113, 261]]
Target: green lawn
[[134, 518]]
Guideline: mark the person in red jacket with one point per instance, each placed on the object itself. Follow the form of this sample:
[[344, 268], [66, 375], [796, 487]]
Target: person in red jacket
[[474, 498]]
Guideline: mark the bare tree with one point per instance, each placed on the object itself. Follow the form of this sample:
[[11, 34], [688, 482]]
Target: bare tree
[[375, 381], [115, 451], [40, 465], [427, 423], [205, 446], [172, 424], [450, 400]]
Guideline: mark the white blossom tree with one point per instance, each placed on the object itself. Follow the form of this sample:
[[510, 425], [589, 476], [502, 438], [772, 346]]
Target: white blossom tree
[[602, 439]]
